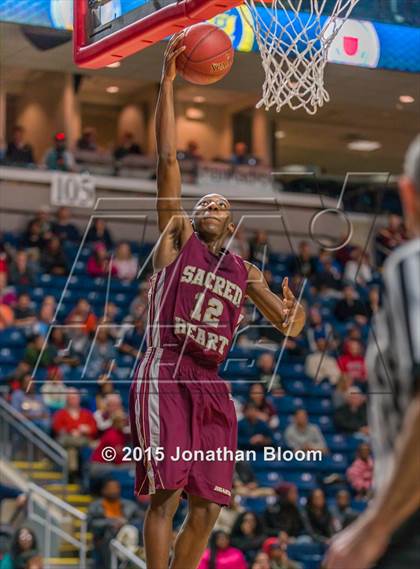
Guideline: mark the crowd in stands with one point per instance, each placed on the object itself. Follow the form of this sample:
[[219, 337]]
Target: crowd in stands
[[60, 156], [276, 520]]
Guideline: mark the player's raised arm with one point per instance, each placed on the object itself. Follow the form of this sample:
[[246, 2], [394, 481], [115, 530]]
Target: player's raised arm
[[168, 173], [285, 314]]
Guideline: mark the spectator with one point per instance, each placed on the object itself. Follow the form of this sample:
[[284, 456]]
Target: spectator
[[132, 339], [342, 511], [316, 328], [6, 316], [33, 239], [277, 553], [53, 259], [42, 216], [105, 388], [111, 517], [259, 248], [127, 147], [358, 269], [139, 305], [64, 347], [319, 519], [25, 316], [327, 279], [352, 362], [191, 152], [58, 157], [304, 264], [88, 140], [99, 264], [245, 481], [373, 302], [321, 366], [339, 396], [102, 353], [352, 416], [37, 354], [261, 561], [98, 233], [53, 390], [18, 152], [241, 155], [105, 415], [302, 435], [390, 237], [30, 404], [221, 555], [266, 365], [45, 316], [7, 293], [63, 228], [266, 410], [252, 432], [24, 547], [74, 428], [284, 514], [115, 437], [360, 472], [350, 307], [82, 314], [125, 262], [238, 244], [21, 271], [247, 535]]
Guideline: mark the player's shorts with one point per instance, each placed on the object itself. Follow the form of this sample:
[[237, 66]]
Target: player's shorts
[[179, 407], [403, 551]]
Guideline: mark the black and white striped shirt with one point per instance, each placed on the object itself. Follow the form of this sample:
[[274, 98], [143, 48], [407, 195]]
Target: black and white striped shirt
[[393, 355]]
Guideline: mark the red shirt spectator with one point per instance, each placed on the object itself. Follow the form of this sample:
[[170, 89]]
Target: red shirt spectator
[[74, 420], [113, 437], [352, 361], [82, 313]]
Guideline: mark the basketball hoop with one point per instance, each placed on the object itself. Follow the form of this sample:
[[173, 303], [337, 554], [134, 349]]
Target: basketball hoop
[[294, 48]]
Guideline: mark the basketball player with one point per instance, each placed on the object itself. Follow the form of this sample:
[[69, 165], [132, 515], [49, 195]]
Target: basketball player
[[387, 535], [177, 400]]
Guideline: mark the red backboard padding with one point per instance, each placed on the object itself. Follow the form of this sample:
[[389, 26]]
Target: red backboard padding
[[142, 33]]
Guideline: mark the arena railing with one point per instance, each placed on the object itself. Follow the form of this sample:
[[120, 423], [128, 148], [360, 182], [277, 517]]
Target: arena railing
[[54, 515], [21, 440], [120, 553]]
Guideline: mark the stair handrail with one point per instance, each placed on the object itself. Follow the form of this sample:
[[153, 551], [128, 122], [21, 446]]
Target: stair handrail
[[36, 493], [35, 437], [118, 551]]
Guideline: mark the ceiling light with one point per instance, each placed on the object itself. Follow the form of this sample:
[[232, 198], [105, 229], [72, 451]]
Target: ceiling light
[[194, 114], [112, 89], [114, 65], [364, 145], [279, 134], [407, 99], [199, 99]]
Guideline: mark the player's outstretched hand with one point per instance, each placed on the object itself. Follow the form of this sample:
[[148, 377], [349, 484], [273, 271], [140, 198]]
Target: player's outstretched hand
[[173, 49], [292, 309]]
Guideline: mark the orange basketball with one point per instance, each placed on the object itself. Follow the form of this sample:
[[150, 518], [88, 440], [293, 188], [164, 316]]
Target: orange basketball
[[208, 55]]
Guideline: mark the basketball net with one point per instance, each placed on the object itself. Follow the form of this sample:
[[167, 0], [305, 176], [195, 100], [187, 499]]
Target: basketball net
[[294, 48]]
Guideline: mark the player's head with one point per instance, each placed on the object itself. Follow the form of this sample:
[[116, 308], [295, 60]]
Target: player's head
[[212, 217], [410, 187]]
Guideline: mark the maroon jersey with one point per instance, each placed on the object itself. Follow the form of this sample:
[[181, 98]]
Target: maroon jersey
[[195, 303]]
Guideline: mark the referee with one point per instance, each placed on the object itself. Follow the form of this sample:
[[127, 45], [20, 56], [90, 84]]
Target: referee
[[387, 535]]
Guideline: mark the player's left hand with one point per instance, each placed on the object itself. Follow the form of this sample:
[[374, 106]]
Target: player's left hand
[[290, 305], [357, 547]]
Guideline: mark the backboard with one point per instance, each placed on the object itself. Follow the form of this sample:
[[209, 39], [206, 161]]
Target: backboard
[[106, 31]]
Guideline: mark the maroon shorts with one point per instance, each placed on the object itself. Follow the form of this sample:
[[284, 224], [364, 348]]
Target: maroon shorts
[[179, 407]]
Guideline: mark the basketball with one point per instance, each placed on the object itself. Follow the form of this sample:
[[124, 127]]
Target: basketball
[[208, 56]]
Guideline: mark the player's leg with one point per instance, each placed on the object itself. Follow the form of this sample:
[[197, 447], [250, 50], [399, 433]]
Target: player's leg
[[195, 532], [158, 527]]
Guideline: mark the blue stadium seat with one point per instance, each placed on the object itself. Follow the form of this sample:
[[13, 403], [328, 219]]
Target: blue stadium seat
[[319, 406], [287, 404], [12, 338], [305, 481]]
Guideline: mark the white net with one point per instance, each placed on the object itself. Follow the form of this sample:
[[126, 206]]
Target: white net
[[294, 44]]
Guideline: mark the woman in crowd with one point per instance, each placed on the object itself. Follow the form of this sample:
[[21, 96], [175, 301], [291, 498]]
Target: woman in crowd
[[24, 547], [360, 472], [248, 535], [98, 264], [267, 411], [221, 555], [125, 262], [319, 520]]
